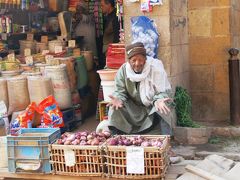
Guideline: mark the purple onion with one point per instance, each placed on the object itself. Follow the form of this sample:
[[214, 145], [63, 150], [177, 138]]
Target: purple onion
[[113, 142], [145, 144], [84, 133], [83, 143]]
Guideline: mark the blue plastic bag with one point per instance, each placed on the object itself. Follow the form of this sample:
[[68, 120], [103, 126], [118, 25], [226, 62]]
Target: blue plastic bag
[[144, 30]]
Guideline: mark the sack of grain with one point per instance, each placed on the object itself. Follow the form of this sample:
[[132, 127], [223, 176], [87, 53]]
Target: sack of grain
[[39, 88], [4, 91], [72, 76], [60, 82], [17, 94]]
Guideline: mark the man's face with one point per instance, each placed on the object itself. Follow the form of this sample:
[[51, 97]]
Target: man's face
[[137, 63], [105, 6]]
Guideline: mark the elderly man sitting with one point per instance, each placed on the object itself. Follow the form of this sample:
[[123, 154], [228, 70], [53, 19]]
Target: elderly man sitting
[[141, 101]]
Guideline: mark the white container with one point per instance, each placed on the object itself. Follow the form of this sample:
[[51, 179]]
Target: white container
[[107, 74], [3, 150], [108, 89]]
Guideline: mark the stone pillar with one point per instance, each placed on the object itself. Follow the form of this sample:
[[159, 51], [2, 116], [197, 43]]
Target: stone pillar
[[172, 24]]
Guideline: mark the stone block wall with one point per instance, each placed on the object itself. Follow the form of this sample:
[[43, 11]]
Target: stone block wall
[[213, 29], [172, 25]]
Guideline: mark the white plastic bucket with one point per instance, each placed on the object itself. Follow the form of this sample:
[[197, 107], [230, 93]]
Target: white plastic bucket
[[108, 89], [3, 150]]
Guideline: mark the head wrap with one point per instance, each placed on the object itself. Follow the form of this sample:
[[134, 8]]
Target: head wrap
[[134, 49]]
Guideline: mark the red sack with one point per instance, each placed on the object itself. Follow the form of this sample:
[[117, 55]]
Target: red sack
[[51, 114]]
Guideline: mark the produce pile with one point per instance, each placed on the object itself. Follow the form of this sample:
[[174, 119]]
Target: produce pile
[[94, 139], [84, 138], [134, 141]]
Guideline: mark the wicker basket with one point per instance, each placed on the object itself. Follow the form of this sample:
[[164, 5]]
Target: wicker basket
[[156, 161], [89, 160]]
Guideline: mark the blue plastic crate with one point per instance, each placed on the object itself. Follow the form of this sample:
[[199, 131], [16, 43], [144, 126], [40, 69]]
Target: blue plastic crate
[[28, 152]]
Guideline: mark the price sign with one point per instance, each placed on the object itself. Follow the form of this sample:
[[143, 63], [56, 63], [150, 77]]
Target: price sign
[[69, 157], [29, 60], [27, 52], [48, 59], [44, 39], [58, 49], [44, 52], [30, 37], [135, 160], [71, 43], [11, 57]]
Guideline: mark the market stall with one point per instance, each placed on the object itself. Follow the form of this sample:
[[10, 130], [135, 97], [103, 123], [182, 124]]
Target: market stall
[[49, 85]]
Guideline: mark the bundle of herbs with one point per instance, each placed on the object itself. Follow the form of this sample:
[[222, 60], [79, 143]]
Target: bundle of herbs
[[183, 108]]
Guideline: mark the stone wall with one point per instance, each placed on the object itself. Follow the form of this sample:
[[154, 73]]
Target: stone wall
[[172, 24], [210, 36]]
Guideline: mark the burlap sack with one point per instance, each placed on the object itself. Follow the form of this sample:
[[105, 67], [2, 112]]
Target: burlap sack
[[61, 87], [3, 91], [17, 94], [39, 88]]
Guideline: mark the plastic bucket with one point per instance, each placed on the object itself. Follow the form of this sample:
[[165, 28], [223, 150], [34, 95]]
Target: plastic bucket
[[108, 89], [107, 74]]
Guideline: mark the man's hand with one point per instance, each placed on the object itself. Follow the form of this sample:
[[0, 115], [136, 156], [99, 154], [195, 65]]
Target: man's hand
[[161, 106], [115, 102]]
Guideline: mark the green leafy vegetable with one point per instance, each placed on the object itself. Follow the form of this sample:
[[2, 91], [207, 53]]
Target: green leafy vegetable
[[183, 108]]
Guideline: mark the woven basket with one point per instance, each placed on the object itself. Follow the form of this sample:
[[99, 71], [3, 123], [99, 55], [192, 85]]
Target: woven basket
[[156, 160], [89, 160]]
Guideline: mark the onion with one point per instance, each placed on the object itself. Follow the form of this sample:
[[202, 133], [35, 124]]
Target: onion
[[95, 142], [67, 143], [83, 138], [159, 144], [60, 141], [113, 142], [101, 134], [71, 137], [145, 144], [94, 134], [83, 143], [127, 142], [90, 136], [107, 134], [89, 142], [120, 143], [84, 133], [75, 142]]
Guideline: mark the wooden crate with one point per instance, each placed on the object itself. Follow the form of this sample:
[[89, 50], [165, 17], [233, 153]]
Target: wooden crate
[[156, 161], [88, 160], [103, 110]]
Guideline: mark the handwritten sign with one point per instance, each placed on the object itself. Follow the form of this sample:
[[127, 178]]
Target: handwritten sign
[[27, 52], [44, 39], [58, 49], [29, 60], [48, 59], [135, 160], [71, 43], [30, 37], [69, 156], [44, 52], [11, 57]]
